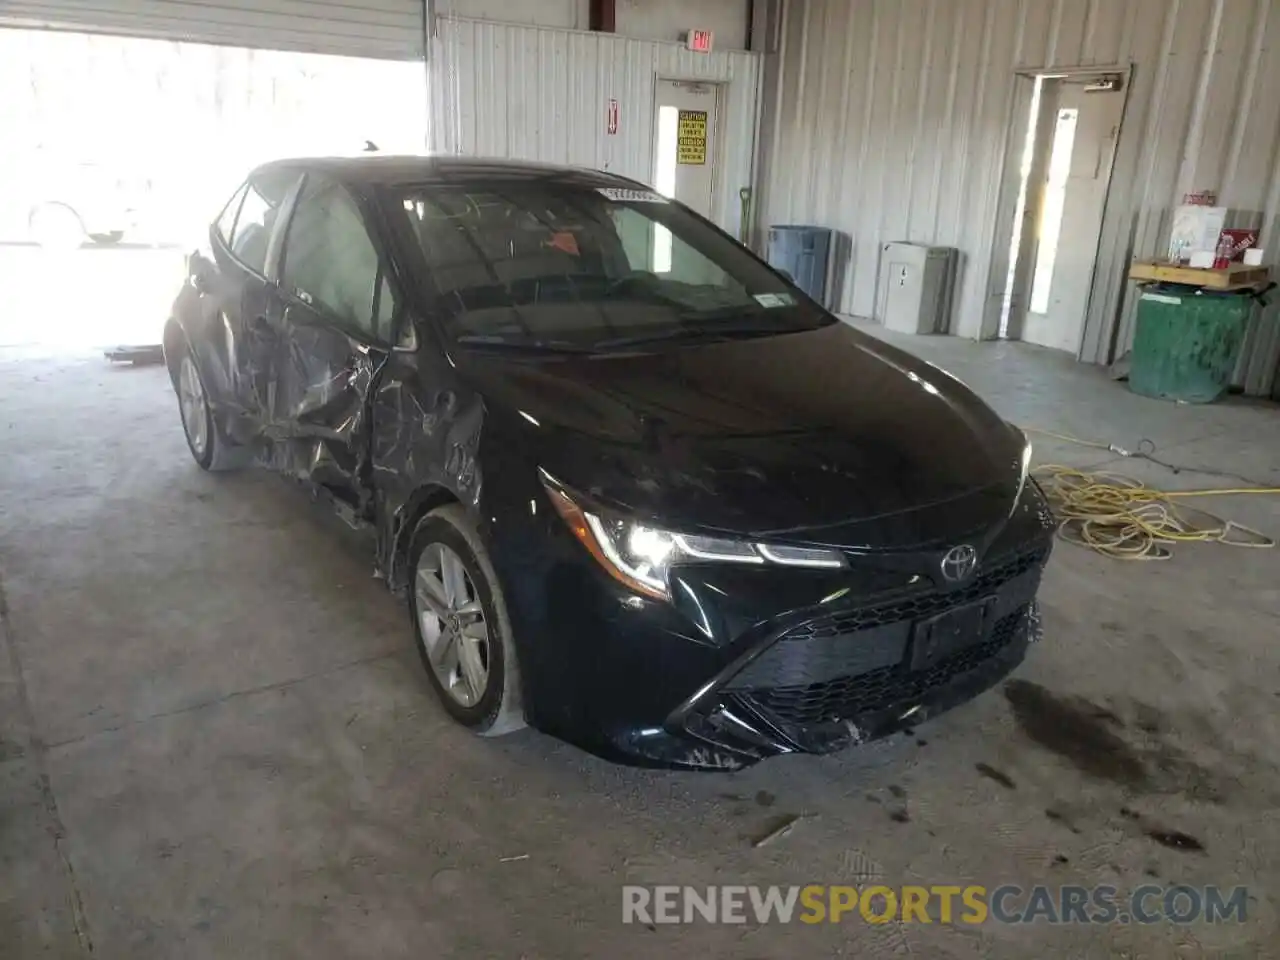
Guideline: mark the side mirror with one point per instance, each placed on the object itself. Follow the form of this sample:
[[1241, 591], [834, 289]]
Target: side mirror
[[197, 272]]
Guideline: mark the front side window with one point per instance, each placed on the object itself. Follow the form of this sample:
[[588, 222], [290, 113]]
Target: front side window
[[226, 224], [263, 196], [587, 266], [331, 263]]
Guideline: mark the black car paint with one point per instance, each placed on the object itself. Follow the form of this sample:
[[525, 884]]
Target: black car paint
[[825, 437]]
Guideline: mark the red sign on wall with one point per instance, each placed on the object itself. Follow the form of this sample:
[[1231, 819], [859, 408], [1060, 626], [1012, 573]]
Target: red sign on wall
[[699, 41], [612, 122]]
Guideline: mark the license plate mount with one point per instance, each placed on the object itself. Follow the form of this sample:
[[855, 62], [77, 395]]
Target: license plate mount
[[938, 637]]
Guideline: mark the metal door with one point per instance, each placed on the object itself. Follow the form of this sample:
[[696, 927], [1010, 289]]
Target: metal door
[[1070, 223]]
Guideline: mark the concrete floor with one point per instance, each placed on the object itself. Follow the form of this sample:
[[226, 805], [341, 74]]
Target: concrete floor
[[217, 741]]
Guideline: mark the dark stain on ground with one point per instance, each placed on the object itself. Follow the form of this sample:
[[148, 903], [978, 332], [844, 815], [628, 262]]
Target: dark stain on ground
[[1104, 714], [922, 742], [1059, 859], [765, 799], [1075, 729], [1147, 718], [899, 816], [1058, 817], [1176, 773], [1112, 627], [897, 791], [872, 797], [11, 750], [1175, 840], [991, 773]]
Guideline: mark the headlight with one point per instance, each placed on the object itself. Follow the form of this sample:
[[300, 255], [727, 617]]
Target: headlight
[[641, 556], [1026, 455], [1025, 462]]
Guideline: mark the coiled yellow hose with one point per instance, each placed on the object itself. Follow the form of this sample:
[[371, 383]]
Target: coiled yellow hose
[[1125, 519]]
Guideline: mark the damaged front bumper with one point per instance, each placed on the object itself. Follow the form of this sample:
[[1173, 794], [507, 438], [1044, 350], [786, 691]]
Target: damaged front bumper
[[839, 680]]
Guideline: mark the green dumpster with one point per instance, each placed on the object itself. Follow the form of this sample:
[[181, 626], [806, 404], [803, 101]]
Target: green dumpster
[[1187, 341]]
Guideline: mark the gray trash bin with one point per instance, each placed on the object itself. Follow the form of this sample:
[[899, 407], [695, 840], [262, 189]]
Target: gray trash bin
[[804, 253]]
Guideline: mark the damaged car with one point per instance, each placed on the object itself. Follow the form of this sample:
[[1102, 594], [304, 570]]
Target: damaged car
[[636, 488]]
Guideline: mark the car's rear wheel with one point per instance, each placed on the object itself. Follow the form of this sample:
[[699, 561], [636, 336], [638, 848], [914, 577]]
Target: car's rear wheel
[[55, 226], [461, 625], [209, 447], [107, 239]]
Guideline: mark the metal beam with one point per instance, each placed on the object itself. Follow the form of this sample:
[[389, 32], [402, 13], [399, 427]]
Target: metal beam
[[604, 16]]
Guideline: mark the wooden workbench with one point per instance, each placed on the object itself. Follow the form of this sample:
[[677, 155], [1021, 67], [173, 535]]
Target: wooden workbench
[[1235, 277]]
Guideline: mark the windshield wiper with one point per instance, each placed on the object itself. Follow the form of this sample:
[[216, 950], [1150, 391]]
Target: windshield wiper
[[725, 323], [523, 345]]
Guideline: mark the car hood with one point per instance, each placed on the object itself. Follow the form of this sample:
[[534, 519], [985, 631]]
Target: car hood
[[825, 436]]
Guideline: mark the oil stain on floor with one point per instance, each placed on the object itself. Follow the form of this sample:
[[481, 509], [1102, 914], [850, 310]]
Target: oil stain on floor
[[1092, 738], [1077, 731]]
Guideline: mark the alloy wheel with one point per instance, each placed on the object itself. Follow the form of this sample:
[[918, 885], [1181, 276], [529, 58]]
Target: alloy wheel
[[195, 411], [451, 624]]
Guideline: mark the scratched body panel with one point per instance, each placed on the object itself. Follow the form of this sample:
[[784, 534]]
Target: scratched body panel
[[425, 439]]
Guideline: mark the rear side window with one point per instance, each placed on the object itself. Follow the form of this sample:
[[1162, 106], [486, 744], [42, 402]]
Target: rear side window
[[331, 262]]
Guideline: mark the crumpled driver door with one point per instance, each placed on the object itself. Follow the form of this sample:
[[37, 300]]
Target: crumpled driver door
[[335, 305], [321, 403]]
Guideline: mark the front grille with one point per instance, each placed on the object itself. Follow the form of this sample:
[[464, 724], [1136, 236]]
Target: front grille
[[853, 642], [853, 696], [921, 606]]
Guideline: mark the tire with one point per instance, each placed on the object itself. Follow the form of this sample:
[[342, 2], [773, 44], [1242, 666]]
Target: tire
[[107, 239], [447, 624], [56, 227], [209, 446]]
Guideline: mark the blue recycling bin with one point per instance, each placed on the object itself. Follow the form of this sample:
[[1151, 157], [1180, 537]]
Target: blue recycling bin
[[804, 252]]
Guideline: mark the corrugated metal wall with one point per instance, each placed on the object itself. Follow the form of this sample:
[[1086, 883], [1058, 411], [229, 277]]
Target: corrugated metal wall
[[506, 90], [895, 113], [388, 29]]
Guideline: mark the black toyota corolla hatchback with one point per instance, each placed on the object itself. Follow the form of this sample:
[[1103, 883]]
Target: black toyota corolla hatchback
[[638, 490]]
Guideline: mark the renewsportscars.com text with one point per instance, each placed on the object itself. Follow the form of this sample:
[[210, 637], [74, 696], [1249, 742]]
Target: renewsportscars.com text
[[945, 904]]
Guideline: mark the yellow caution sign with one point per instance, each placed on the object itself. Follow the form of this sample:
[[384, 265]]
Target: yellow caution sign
[[691, 137]]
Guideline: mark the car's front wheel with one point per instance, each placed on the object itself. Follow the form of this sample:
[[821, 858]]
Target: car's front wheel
[[210, 448], [461, 624]]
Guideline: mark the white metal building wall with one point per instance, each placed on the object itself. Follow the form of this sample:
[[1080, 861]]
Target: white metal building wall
[[507, 90], [385, 29], [893, 117]]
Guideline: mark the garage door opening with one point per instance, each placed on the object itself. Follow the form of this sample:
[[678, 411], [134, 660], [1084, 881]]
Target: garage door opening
[[119, 152]]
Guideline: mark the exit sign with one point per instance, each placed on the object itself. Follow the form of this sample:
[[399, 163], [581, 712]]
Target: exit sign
[[700, 41]]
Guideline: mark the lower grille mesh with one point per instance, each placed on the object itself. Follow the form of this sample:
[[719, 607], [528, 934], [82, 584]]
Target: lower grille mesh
[[851, 696]]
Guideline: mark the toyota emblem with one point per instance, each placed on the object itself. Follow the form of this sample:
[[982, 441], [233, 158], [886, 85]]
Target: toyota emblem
[[958, 562]]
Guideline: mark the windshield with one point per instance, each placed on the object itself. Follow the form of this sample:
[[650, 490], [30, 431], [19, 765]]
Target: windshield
[[553, 264]]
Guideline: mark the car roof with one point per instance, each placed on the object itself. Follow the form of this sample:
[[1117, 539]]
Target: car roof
[[388, 170]]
